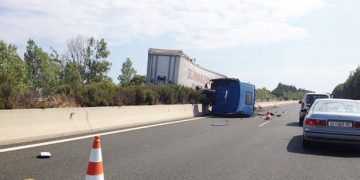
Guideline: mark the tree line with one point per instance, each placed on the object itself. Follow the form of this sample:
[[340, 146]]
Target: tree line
[[350, 89], [77, 77], [281, 92]]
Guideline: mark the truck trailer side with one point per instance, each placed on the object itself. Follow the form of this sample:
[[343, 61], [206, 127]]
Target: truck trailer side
[[175, 67]]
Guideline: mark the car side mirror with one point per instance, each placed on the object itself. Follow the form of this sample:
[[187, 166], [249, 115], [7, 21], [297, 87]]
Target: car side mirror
[[300, 102]]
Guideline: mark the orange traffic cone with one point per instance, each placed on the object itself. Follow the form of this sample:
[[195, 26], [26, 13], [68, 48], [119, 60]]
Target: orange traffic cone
[[268, 115], [95, 169]]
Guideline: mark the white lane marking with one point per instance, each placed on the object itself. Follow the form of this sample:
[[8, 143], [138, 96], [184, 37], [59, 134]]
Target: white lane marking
[[91, 136], [265, 123]]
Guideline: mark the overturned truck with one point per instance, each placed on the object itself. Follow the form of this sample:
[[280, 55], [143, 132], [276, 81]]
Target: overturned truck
[[229, 96]]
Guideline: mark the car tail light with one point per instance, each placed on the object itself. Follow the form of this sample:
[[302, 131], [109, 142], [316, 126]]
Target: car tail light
[[315, 122], [357, 124], [310, 122], [302, 105], [320, 122]]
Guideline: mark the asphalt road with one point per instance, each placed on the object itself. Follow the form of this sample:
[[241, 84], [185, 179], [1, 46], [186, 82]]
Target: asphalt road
[[210, 148]]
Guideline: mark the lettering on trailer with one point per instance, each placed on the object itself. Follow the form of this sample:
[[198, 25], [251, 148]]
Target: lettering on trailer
[[197, 77]]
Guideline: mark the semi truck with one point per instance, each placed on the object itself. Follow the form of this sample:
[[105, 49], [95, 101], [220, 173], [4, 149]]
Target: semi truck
[[167, 66], [230, 97]]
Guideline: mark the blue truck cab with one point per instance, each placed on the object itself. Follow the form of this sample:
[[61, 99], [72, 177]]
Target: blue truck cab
[[232, 97]]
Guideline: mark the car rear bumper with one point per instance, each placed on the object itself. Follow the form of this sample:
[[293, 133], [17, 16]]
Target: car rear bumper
[[332, 137]]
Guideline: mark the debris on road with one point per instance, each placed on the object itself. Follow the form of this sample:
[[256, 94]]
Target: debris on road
[[44, 155], [268, 115], [220, 124], [226, 123]]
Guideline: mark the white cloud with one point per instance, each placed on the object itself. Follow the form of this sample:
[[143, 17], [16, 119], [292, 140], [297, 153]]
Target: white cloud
[[204, 24]]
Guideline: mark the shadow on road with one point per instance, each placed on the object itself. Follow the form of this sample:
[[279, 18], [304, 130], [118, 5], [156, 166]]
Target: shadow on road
[[220, 117], [323, 149], [293, 124]]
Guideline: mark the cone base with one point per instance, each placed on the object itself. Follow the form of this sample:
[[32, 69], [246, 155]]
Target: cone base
[[97, 177]]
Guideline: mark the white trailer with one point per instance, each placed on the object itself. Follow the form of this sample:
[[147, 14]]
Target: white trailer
[[175, 67]]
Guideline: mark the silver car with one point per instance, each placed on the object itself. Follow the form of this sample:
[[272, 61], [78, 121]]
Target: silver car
[[333, 120]]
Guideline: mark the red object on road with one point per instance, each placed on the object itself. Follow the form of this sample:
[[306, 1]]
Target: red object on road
[[268, 115], [95, 169]]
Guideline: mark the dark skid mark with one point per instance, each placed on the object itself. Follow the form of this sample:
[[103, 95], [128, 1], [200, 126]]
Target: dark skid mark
[[220, 125]]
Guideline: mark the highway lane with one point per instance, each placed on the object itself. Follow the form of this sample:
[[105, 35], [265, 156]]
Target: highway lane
[[210, 148]]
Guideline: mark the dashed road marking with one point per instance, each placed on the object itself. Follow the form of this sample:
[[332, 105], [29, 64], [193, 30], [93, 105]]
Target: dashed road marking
[[265, 123]]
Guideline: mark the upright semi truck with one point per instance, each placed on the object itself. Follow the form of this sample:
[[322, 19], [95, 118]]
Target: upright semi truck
[[175, 67], [229, 96]]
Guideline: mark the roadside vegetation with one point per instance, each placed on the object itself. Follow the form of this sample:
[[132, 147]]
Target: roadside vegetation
[[350, 89], [281, 92], [77, 77]]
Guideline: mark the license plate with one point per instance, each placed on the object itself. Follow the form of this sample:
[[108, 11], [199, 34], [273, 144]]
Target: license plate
[[340, 124]]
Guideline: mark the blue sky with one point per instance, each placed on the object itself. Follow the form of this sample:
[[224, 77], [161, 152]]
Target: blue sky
[[312, 44]]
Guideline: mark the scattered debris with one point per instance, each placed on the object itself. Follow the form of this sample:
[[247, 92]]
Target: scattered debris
[[44, 155], [220, 124], [269, 115]]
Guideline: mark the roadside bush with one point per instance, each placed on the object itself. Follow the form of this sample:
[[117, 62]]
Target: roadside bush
[[126, 95], [167, 94], [8, 95], [27, 99], [99, 94], [264, 95], [147, 94], [140, 96], [151, 97]]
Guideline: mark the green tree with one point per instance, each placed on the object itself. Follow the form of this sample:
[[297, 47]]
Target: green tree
[[42, 71], [127, 72], [338, 91], [350, 89], [289, 92], [264, 95], [72, 75], [90, 58], [138, 80], [12, 75]]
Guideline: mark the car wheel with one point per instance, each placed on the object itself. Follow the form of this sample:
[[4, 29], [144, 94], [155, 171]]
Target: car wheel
[[305, 143], [301, 121]]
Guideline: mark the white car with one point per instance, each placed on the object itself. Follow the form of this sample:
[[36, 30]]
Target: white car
[[307, 102]]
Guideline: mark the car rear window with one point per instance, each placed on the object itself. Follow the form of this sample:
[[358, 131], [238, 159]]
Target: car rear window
[[311, 98], [337, 107]]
